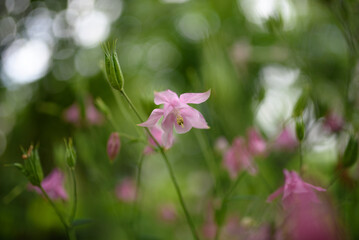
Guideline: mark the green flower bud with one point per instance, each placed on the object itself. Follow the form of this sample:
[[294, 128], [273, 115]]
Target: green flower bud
[[112, 67], [32, 166], [70, 153], [300, 129], [351, 152], [102, 107], [300, 104]]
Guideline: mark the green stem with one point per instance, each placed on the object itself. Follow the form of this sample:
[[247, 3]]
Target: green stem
[[74, 207], [300, 158], [138, 185], [169, 168], [56, 211], [226, 197]]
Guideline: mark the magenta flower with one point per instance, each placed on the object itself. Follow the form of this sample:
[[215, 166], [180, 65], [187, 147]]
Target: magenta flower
[[53, 185], [238, 158], [256, 144], [126, 190], [295, 191], [177, 113], [157, 132], [286, 140], [333, 122], [113, 145]]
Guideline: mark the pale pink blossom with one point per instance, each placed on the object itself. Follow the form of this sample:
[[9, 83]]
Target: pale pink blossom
[[168, 213], [177, 113], [93, 116], [295, 191], [53, 185], [238, 158], [113, 145], [256, 144], [221, 145], [72, 114], [333, 122], [286, 140], [126, 190], [157, 133]]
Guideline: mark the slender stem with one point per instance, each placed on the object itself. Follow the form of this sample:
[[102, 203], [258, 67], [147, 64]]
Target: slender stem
[[74, 207], [225, 200], [169, 168], [56, 211], [138, 185], [300, 158]]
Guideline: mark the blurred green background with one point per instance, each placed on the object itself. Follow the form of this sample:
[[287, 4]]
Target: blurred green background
[[256, 56]]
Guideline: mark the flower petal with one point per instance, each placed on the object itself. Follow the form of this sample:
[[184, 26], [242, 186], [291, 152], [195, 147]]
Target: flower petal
[[153, 118], [274, 195], [167, 126], [195, 98], [315, 187], [165, 97], [195, 117], [186, 126]]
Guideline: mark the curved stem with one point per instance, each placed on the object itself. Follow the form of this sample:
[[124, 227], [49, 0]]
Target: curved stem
[[300, 158], [138, 184], [74, 206], [169, 168], [56, 211]]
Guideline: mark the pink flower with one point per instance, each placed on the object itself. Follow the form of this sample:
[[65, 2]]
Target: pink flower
[[157, 132], [93, 116], [53, 185], [256, 144], [333, 122], [113, 145], [238, 158], [286, 140], [168, 213], [177, 113], [221, 145], [72, 114], [295, 191], [126, 190]]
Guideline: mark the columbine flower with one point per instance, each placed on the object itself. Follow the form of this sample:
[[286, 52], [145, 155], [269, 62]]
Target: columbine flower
[[72, 114], [221, 145], [238, 158], [286, 140], [157, 133], [176, 112], [256, 144], [126, 190], [53, 185], [295, 191], [333, 122], [113, 146]]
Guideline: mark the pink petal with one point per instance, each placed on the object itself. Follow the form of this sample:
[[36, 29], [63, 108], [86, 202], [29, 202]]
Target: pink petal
[[153, 118], [195, 117], [187, 125], [315, 187], [274, 195], [167, 126], [165, 97], [195, 98]]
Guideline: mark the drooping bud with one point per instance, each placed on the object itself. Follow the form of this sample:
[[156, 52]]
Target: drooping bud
[[70, 153], [112, 67], [351, 152], [32, 166], [102, 107], [300, 129], [300, 104], [113, 146]]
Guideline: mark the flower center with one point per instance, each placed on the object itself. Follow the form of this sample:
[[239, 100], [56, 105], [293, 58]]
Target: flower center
[[179, 119]]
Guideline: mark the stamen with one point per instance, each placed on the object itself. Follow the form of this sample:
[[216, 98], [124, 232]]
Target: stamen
[[180, 120]]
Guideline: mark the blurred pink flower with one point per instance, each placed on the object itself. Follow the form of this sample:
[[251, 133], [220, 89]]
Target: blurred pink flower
[[72, 114], [238, 158], [53, 185], [295, 191], [333, 122], [113, 145], [157, 132], [256, 144], [286, 140], [221, 145], [176, 112], [126, 190], [168, 213]]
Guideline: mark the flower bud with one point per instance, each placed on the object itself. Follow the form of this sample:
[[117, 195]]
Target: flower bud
[[70, 153], [113, 146], [112, 67], [102, 107], [32, 166], [300, 129], [300, 104], [351, 152]]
